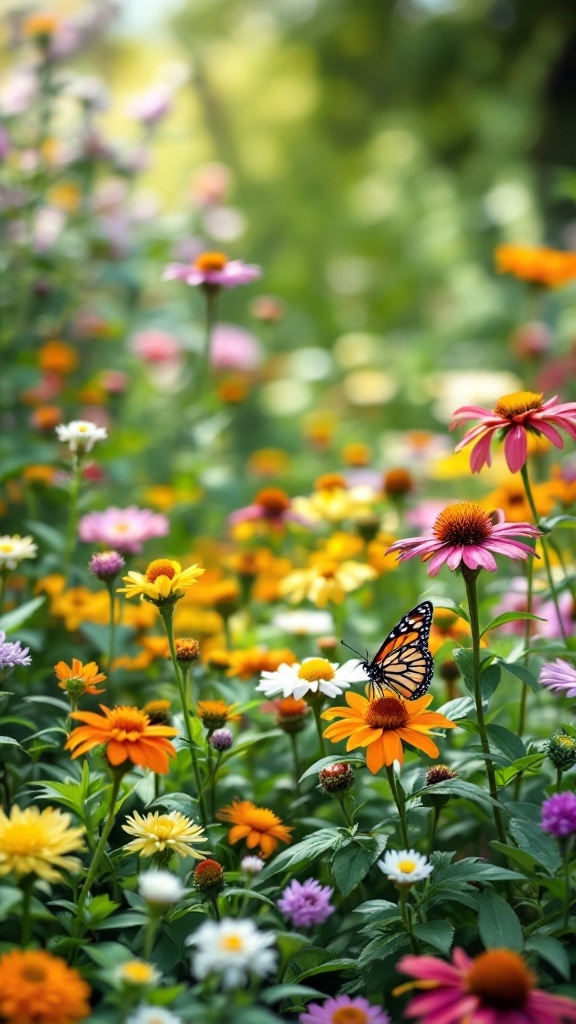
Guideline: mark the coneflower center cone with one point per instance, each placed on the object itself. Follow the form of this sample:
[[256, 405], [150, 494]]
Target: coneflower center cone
[[386, 713], [464, 523], [517, 403], [501, 979]]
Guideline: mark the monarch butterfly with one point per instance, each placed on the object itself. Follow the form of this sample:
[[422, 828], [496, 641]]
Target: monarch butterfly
[[403, 662]]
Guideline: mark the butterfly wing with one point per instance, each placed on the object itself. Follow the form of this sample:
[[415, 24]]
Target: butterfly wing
[[403, 663]]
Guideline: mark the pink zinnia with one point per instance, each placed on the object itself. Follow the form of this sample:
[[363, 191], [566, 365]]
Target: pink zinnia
[[343, 1009], [516, 416], [213, 270], [124, 529], [465, 533], [496, 987]]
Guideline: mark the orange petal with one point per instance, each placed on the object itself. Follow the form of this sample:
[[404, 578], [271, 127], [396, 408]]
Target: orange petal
[[116, 752], [375, 757]]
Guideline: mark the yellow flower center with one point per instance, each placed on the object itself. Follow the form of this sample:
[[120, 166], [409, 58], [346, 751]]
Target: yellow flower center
[[463, 523], [138, 973], [6, 548], [121, 528], [273, 500], [161, 567], [406, 866], [517, 403], [126, 721], [163, 827], [501, 979], [231, 944], [386, 713], [208, 261], [349, 1015], [316, 669]]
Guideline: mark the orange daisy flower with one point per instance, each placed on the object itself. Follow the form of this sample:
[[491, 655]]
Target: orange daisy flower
[[259, 826], [79, 679], [381, 725], [36, 986], [128, 735]]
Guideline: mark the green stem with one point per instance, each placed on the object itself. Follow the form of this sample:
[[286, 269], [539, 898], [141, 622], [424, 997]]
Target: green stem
[[27, 885], [348, 816], [211, 294], [92, 871], [559, 774], [166, 614], [433, 826], [75, 484], [399, 804], [297, 772], [317, 709], [215, 907], [470, 576], [544, 542], [154, 919], [112, 635], [3, 579], [406, 912]]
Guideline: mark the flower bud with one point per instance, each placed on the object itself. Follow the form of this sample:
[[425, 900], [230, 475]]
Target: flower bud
[[187, 651], [337, 777], [106, 565], [439, 773], [221, 739], [561, 749], [209, 876]]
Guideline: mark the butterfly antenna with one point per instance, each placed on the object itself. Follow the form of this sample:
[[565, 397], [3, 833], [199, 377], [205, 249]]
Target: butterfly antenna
[[357, 653]]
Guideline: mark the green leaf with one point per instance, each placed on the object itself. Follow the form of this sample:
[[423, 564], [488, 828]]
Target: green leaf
[[537, 843], [130, 919], [439, 934], [501, 620], [450, 605], [498, 925], [306, 850], [523, 673], [53, 539], [327, 966], [552, 951], [18, 616], [382, 947], [506, 741], [250, 894], [276, 993], [529, 763], [489, 680], [352, 862], [325, 761], [458, 708], [552, 522], [10, 897], [459, 789]]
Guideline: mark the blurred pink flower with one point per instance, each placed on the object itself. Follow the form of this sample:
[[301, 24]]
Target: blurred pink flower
[[213, 270], [155, 345], [151, 106], [124, 529], [515, 416], [465, 533], [210, 183], [559, 675], [234, 348]]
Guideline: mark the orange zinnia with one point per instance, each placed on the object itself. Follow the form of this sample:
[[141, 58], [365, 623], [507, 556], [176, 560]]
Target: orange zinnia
[[382, 724], [259, 826], [79, 679], [128, 735]]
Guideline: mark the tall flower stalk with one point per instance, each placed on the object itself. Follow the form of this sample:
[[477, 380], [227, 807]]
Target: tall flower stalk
[[545, 552]]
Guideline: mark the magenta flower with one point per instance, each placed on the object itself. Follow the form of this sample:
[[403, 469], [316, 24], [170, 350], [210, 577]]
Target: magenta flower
[[515, 416], [271, 507], [123, 529], [559, 815], [306, 904], [213, 270], [106, 565], [559, 675], [496, 987], [465, 533], [343, 1008]]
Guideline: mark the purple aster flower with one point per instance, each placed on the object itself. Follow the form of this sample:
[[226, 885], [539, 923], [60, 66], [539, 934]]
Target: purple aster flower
[[306, 904], [123, 529], [12, 654], [559, 675], [221, 739], [344, 1008], [106, 565], [213, 270], [559, 814]]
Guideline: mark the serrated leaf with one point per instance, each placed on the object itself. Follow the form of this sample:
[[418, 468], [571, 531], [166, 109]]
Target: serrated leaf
[[439, 934], [459, 789], [381, 947], [529, 763], [501, 620], [498, 925], [538, 844], [307, 849], [352, 862], [18, 616]]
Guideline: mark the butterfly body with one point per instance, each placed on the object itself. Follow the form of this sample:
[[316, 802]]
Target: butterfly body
[[403, 662]]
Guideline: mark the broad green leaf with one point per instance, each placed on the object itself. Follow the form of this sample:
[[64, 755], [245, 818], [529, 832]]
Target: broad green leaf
[[450, 605], [458, 708], [276, 993], [552, 951], [523, 673], [501, 620], [458, 789], [506, 741], [352, 862], [498, 925], [250, 894], [18, 616], [530, 763], [307, 849], [382, 947], [327, 966], [439, 934], [325, 761], [10, 897], [542, 847]]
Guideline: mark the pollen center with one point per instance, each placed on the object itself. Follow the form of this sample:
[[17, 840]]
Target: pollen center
[[386, 713], [125, 721], [315, 669], [406, 866], [349, 1015], [231, 944], [161, 567], [517, 403], [210, 261], [501, 979], [463, 523]]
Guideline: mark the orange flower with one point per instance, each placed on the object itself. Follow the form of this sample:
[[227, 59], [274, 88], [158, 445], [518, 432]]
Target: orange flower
[[259, 826], [215, 713], [128, 735], [252, 661], [548, 267], [382, 724], [36, 986], [79, 679]]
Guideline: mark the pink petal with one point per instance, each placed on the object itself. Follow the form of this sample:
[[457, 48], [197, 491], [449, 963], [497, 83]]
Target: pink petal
[[430, 968], [455, 552], [480, 454], [456, 1012], [516, 448], [551, 433], [437, 561], [475, 555]]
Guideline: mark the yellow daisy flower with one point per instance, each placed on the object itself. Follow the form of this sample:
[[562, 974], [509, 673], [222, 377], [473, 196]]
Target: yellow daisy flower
[[163, 581], [35, 842], [156, 833]]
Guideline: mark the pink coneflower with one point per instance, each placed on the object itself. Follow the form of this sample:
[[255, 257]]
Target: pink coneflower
[[344, 1010], [156, 345], [271, 507], [123, 529], [496, 987], [213, 270], [559, 675], [465, 533], [233, 348], [516, 416]]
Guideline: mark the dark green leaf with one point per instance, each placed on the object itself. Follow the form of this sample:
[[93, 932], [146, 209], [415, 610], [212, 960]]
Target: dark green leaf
[[439, 934], [498, 925], [523, 673], [529, 763], [352, 862], [552, 951], [306, 850], [542, 847], [18, 616], [501, 620], [506, 741]]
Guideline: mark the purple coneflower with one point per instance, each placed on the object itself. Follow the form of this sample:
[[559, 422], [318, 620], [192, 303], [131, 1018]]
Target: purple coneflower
[[559, 675], [12, 654], [343, 1008], [465, 533], [213, 270], [306, 903], [516, 416]]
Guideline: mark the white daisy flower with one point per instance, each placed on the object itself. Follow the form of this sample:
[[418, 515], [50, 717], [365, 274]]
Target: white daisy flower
[[233, 949], [160, 887], [14, 549], [146, 1014], [81, 435], [405, 867], [251, 864], [313, 675], [304, 622]]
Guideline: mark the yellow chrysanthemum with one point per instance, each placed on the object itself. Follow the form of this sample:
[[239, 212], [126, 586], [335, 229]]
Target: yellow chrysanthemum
[[35, 842], [163, 581], [325, 581], [156, 833]]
